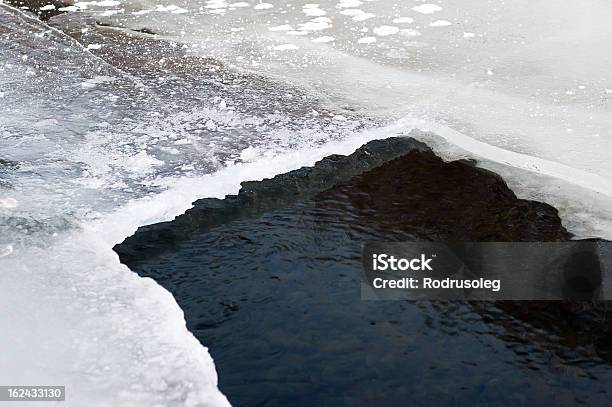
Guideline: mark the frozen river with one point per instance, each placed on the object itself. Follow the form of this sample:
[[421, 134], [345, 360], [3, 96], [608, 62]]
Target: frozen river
[[117, 114]]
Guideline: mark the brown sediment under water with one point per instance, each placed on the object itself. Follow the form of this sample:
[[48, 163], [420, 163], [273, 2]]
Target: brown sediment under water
[[269, 281]]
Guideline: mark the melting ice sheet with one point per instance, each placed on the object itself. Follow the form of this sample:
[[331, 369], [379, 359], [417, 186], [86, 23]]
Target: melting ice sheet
[[89, 150], [524, 86], [89, 153], [492, 78]]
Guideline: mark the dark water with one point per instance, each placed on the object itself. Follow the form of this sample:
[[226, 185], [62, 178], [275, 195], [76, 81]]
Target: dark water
[[276, 298]]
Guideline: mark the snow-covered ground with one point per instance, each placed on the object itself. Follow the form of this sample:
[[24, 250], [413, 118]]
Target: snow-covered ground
[[92, 150]]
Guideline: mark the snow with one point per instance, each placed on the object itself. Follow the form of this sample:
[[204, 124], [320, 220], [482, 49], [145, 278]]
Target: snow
[[284, 27], [110, 154], [313, 10], [440, 23], [357, 14], [403, 20], [172, 8], [349, 3], [8, 203], [427, 8], [385, 30], [111, 337], [285, 47], [323, 39], [409, 32], [318, 24], [6, 250], [263, 6], [249, 154], [366, 40]]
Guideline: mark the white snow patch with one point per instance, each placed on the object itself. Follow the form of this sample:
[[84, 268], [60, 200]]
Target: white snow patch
[[216, 5], [171, 9], [284, 27], [366, 40], [140, 163], [97, 80], [47, 7], [111, 12], [6, 250], [403, 20], [440, 23], [357, 14], [318, 24], [8, 203], [469, 35], [323, 39], [249, 154], [349, 3], [385, 30], [263, 6], [285, 47], [427, 8], [313, 10], [409, 32]]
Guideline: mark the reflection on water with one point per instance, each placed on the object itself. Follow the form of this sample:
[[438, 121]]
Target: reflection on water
[[276, 299]]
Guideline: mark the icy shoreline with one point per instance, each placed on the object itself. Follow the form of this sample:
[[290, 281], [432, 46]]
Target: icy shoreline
[[113, 129]]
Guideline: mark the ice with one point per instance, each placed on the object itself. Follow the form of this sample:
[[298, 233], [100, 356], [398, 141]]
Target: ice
[[8, 203], [516, 80], [284, 27], [263, 6], [172, 8], [323, 39], [349, 3], [90, 152], [366, 40], [71, 313], [427, 8], [313, 10], [106, 3], [315, 25], [357, 14], [409, 32], [249, 154], [116, 148], [6, 250], [440, 23], [403, 20], [285, 47], [385, 30]]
